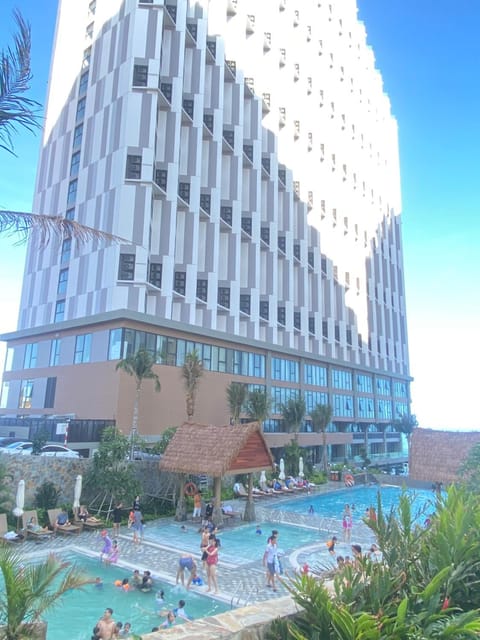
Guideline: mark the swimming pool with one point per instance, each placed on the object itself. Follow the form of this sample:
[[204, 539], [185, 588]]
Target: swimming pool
[[240, 545], [361, 498], [79, 610]]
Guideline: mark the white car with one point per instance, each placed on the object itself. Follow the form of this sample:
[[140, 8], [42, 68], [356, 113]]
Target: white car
[[59, 451], [21, 447]]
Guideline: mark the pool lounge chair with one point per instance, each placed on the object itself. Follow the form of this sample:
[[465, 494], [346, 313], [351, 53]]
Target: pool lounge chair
[[88, 523], [65, 528], [40, 534], [240, 491], [11, 535]]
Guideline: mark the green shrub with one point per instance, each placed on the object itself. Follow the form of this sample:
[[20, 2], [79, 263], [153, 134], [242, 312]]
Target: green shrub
[[46, 496]]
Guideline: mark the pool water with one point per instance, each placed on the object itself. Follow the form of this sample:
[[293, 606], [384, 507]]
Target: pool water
[[240, 545], [361, 498], [79, 610]]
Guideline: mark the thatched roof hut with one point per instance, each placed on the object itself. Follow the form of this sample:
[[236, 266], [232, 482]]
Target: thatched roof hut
[[217, 450]]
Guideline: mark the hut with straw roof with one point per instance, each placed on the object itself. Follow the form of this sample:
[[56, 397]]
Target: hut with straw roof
[[216, 451]]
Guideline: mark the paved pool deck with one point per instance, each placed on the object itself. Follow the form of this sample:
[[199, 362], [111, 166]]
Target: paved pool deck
[[239, 585]]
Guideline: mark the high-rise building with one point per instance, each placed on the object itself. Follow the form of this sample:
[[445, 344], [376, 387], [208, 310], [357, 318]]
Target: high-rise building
[[247, 154]]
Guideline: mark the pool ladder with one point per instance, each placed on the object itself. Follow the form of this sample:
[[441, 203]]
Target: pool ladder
[[237, 599]]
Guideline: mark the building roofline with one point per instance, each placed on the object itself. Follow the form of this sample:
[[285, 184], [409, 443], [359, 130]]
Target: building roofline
[[175, 325]]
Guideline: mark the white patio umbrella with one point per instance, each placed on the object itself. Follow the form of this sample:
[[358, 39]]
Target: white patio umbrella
[[281, 475], [77, 492], [300, 467], [20, 499], [263, 480]]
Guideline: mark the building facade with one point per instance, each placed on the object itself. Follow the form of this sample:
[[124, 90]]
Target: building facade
[[247, 155]]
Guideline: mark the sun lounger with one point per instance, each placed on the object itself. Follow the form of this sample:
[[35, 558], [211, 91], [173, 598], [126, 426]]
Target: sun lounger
[[41, 534], [7, 536], [64, 528], [89, 523], [240, 491]]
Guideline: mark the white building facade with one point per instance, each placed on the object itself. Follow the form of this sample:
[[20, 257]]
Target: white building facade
[[247, 154]]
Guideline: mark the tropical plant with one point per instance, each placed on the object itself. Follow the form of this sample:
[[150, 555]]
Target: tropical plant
[[192, 371], [469, 470], [321, 416], [47, 495], [18, 111], [38, 441], [5, 488], [425, 585], [162, 444], [31, 589], [237, 393], [406, 425], [258, 406], [291, 456], [293, 414], [110, 472], [140, 366]]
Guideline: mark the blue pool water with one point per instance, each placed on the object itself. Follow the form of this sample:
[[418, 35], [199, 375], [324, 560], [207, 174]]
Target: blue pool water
[[79, 611], [239, 545], [333, 504]]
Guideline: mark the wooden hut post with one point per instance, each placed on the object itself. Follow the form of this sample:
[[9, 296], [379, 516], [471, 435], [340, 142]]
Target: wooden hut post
[[181, 510], [217, 500], [249, 515]]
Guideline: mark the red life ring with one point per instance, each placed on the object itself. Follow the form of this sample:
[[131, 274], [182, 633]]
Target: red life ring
[[190, 489], [349, 480]]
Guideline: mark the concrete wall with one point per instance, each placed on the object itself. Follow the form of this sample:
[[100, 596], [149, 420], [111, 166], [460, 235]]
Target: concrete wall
[[436, 455]]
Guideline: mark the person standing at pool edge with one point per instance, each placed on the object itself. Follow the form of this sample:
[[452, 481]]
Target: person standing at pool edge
[[270, 558]]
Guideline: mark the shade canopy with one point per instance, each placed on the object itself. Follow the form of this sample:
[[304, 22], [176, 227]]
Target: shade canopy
[[216, 450]]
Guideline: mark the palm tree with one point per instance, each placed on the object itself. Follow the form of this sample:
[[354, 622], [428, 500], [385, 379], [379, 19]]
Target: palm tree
[[140, 366], [321, 416], [236, 395], [192, 371], [293, 414], [259, 405], [18, 111], [406, 425], [31, 589]]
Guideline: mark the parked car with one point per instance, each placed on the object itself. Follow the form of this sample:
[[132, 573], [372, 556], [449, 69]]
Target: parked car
[[20, 447], [58, 450], [145, 455]]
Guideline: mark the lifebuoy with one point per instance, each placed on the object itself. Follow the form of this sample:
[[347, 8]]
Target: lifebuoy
[[349, 480], [190, 489]]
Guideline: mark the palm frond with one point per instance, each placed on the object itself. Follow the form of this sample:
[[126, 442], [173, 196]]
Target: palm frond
[[44, 228], [15, 75]]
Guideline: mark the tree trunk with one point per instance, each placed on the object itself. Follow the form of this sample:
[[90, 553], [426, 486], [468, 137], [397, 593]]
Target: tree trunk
[[217, 501], [249, 515], [181, 510], [32, 631], [324, 452], [134, 430]]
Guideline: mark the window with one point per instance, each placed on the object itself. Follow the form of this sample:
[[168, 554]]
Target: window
[[140, 75], [9, 359], [286, 370], [89, 31], [384, 387], [87, 55], [312, 398], [365, 408], [184, 191], [77, 136], [343, 406], [81, 104], [342, 379], [384, 408], [4, 398], [31, 352], [223, 298], [264, 309], [55, 352], [245, 303], [400, 389], [281, 315], [83, 84], [311, 324], [202, 289], [179, 282], [134, 167], [72, 192], [50, 393], [126, 266], [115, 344], [70, 214], [364, 383], [155, 274], [66, 250], [59, 311], [75, 164], [26, 393], [297, 319], [315, 375], [82, 348]]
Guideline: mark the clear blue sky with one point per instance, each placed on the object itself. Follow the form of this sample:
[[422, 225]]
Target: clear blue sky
[[428, 52]]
